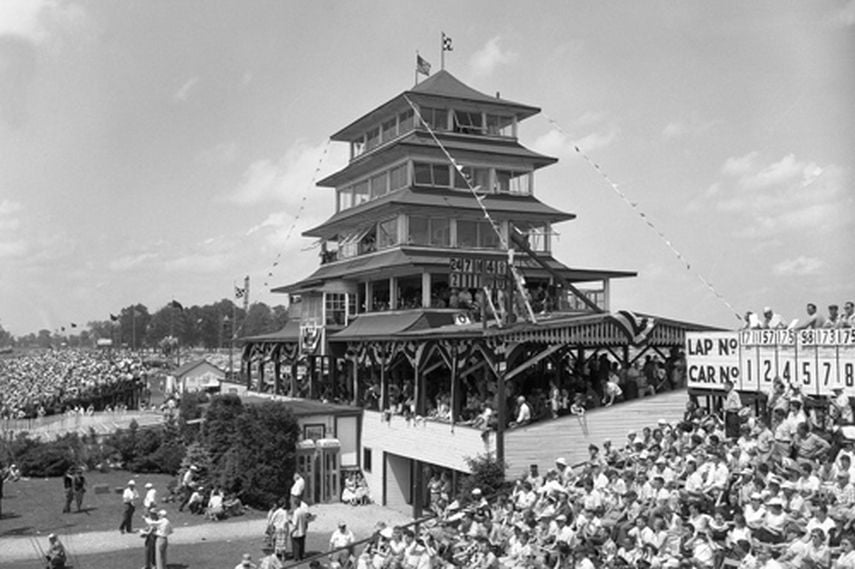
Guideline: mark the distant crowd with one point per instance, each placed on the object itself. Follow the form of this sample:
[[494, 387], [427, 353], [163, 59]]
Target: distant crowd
[[771, 320], [51, 381]]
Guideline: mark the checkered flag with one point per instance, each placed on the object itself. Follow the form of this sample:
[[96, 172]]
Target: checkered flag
[[446, 43]]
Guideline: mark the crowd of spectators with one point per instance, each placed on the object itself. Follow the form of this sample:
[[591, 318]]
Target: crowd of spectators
[[779, 493], [49, 382], [771, 320]]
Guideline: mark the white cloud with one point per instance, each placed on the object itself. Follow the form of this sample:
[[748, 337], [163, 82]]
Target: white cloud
[[556, 142], [23, 18], [11, 249], [129, 262], [691, 126], [735, 166], [782, 197], [197, 263], [799, 266], [39, 21], [485, 60], [290, 179], [183, 92], [8, 207]]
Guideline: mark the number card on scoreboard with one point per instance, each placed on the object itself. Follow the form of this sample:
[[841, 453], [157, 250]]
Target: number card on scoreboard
[[711, 359]]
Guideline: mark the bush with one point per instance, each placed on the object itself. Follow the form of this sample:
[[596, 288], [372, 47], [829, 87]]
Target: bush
[[259, 464], [487, 474]]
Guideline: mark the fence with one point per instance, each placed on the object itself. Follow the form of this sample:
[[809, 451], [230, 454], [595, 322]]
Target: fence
[[102, 423]]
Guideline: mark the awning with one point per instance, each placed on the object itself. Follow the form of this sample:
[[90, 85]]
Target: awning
[[289, 333], [379, 325]]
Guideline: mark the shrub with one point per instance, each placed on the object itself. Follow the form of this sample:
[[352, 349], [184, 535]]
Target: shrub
[[487, 474], [259, 465]]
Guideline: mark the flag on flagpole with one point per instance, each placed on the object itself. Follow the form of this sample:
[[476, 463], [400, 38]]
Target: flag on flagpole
[[422, 65], [239, 292], [446, 43], [113, 317], [176, 304]]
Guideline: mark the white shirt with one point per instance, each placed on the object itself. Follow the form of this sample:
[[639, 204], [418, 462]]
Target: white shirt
[[150, 497], [130, 495], [298, 486]]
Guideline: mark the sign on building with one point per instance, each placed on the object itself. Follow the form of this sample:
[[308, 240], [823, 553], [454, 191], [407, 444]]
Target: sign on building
[[815, 361], [473, 272]]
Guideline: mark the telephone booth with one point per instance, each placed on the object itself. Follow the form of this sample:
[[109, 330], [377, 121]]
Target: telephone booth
[[328, 474], [306, 452]]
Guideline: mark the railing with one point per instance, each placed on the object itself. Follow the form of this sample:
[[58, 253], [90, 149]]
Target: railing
[[360, 543], [72, 422]]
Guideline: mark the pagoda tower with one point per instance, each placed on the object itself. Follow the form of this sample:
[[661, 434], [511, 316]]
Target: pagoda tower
[[410, 234]]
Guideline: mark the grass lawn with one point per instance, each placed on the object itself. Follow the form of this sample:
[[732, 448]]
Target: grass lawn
[[34, 506]]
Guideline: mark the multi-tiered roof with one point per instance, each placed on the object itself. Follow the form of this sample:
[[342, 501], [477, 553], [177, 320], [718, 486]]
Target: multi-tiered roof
[[404, 212]]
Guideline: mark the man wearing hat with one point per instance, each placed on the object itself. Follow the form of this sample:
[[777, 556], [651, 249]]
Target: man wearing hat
[[129, 501], [269, 560], [774, 522], [162, 529], [771, 320], [341, 538], [246, 562], [188, 483], [150, 543], [150, 500], [840, 407]]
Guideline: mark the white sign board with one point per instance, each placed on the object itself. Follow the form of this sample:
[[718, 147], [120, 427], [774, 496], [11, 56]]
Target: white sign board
[[816, 361]]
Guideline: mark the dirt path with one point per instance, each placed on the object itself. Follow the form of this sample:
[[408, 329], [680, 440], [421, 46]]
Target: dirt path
[[361, 520]]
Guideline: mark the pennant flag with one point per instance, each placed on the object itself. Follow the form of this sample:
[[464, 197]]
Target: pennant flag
[[239, 292], [422, 66], [446, 43], [176, 304], [637, 328], [113, 317]]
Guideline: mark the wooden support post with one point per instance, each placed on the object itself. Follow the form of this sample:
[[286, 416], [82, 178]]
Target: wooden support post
[[312, 380], [501, 402], [418, 489], [384, 384], [355, 379], [333, 362], [277, 371], [455, 385], [294, 378]]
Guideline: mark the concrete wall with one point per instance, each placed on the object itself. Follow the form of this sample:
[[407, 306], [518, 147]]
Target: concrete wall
[[428, 441], [347, 432], [398, 483]]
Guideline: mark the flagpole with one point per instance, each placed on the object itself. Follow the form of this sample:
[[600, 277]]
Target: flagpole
[[416, 70], [442, 51]]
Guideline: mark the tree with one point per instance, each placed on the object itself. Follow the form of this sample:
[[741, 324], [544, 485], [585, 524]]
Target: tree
[[6, 338], [220, 425], [44, 339], [258, 320], [487, 474], [260, 464]]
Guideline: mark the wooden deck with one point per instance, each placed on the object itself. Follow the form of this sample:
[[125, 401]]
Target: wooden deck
[[569, 437]]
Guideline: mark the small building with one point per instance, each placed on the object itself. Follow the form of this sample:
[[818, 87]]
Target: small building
[[198, 375]]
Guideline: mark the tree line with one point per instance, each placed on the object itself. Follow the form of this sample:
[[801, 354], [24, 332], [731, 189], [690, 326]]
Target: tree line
[[210, 326]]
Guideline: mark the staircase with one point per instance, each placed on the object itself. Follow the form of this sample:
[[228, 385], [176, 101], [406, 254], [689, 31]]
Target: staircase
[[569, 436]]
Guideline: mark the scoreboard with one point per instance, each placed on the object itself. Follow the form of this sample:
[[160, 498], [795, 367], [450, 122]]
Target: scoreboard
[[816, 361]]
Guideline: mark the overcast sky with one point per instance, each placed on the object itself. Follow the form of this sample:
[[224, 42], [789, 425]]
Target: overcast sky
[[152, 150]]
